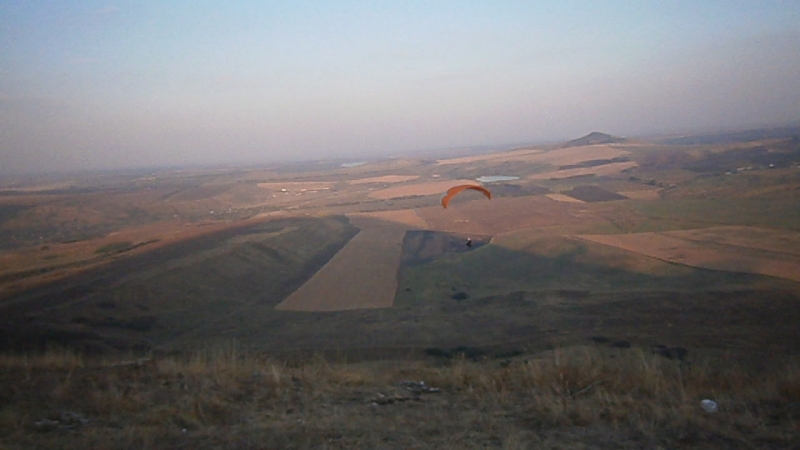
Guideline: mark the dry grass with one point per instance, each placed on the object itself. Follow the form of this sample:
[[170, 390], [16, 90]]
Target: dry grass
[[568, 398]]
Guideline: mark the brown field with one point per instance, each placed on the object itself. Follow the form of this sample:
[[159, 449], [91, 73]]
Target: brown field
[[573, 155], [427, 188], [563, 198], [504, 156], [362, 275], [561, 156], [403, 216], [605, 169], [384, 179], [735, 249], [500, 215], [773, 240], [644, 194], [297, 185]]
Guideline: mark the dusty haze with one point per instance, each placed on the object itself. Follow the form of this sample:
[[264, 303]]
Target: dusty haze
[[93, 85]]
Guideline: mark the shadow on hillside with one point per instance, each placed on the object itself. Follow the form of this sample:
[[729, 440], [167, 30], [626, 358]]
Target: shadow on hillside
[[485, 298]]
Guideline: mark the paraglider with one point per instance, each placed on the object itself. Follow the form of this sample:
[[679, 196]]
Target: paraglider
[[456, 189]]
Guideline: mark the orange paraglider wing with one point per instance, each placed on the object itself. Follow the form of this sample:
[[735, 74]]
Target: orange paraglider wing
[[456, 189]]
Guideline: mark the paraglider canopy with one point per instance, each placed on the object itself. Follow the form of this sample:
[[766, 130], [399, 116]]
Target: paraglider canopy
[[456, 189]]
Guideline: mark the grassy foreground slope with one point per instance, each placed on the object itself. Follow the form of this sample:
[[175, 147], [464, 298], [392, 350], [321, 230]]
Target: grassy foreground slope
[[581, 397]]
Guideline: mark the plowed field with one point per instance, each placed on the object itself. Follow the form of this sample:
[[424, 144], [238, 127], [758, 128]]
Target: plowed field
[[362, 275], [737, 249]]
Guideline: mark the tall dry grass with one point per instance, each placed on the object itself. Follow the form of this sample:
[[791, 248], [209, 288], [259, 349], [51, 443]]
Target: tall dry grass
[[226, 398]]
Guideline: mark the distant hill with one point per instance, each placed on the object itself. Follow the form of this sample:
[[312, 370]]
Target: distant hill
[[593, 138]]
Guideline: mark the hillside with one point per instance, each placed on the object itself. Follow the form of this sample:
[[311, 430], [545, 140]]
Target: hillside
[[223, 398], [605, 291], [593, 138]]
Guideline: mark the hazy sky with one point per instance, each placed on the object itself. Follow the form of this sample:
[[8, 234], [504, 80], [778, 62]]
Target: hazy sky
[[87, 84]]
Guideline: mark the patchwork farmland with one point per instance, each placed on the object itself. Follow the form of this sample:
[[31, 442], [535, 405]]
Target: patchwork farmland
[[599, 277], [257, 256]]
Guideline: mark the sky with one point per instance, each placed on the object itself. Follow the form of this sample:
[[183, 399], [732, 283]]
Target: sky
[[128, 84]]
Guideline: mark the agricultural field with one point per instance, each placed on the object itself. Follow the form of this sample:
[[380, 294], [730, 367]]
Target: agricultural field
[[361, 275], [176, 261], [733, 249], [640, 250]]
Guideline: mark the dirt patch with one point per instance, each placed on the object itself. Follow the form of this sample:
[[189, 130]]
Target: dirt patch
[[384, 179], [362, 275], [703, 248], [429, 188]]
